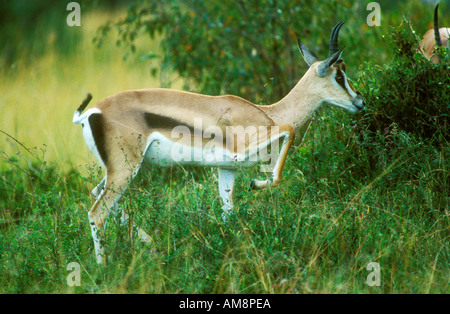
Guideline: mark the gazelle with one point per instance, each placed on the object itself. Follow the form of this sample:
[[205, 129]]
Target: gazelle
[[436, 37], [135, 127]]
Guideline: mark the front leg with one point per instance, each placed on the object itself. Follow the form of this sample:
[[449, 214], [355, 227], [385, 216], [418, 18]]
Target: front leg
[[286, 132], [226, 190]]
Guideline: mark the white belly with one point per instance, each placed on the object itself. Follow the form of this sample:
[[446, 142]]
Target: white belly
[[164, 152]]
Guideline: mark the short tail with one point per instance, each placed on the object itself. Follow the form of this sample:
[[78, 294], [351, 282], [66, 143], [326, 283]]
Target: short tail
[[437, 36], [77, 114]]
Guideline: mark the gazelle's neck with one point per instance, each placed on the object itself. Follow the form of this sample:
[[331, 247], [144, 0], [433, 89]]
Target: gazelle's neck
[[296, 107]]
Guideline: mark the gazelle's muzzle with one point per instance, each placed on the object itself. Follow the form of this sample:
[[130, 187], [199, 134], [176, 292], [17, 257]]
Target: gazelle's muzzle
[[358, 102]]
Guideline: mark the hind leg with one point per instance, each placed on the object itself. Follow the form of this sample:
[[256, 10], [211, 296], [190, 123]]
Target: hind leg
[[115, 210], [97, 191], [114, 186]]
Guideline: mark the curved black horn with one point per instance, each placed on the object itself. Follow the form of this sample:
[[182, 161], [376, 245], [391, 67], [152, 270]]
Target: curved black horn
[[437, 36], [334, 47]]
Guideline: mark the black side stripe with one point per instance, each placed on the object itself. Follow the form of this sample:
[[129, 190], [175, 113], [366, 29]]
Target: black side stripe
[[156, 121], [97, 124]]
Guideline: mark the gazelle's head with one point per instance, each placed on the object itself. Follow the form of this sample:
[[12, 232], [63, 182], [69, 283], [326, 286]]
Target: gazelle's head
[[327, 78]]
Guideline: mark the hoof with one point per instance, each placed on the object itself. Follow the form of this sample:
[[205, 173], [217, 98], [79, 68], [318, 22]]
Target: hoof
[[224, 218]]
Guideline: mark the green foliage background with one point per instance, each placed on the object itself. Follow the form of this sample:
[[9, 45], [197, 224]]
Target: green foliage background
[[239, 47]]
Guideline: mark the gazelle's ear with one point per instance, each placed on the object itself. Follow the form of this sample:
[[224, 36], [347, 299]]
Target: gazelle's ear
[[307, 54], [326, 64]]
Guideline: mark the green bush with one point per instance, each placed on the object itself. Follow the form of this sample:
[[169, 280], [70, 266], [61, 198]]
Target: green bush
[[401, 141], [409, 92]]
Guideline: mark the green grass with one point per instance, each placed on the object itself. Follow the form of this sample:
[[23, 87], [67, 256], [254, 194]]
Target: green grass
[[315, 233]]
